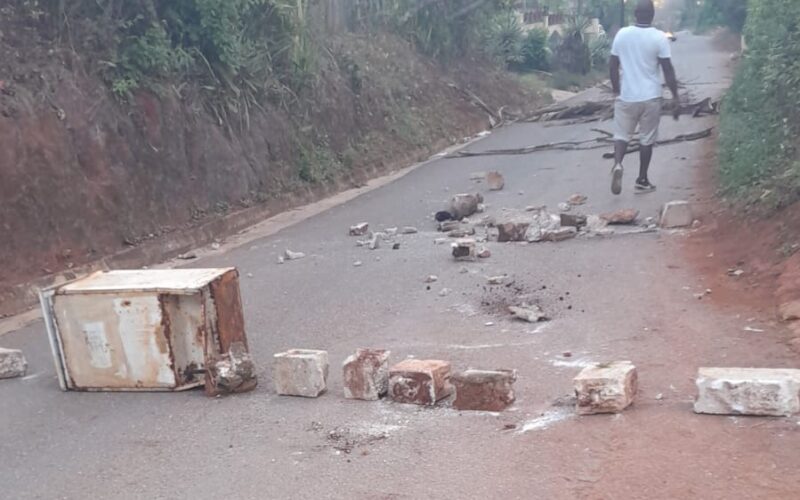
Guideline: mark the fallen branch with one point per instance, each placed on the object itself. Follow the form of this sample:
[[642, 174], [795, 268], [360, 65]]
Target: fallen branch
[[606, 139], [494, 119]]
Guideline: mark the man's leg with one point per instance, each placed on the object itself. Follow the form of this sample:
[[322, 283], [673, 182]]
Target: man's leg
[[620, 148], [648, 133], [624, 126]]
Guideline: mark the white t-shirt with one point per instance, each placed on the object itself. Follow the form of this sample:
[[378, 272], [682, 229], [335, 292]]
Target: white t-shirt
[[639, 50]]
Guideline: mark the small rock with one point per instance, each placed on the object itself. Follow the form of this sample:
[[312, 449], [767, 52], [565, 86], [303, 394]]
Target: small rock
[[567, 354], [396, 246], [606, 387], [375, 242], [496, 280], [359, 229], [289, 255], [444, 292], [577, 199], [448, 226], [481, 208], [234, 373], [463, 270], [409, 230], [696, 223], [495, 181], [484, 253], [529, 313], [477, 176], [464, 205], [624, 216], [187, 256], [432, 279], [735, 272], [489, 323], [676, 214], [357, 263], [659, 396], [215, 246], [390, 231], [512, 231], [440, 241], [442, 216], [573, 220], [464, 249], [559, 234], [462, 232], [12, 363], [249, 275], [280, 259], [564, 207]]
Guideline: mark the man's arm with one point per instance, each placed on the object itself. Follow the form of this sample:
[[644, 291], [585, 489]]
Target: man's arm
[[672, 84], [613, 66]]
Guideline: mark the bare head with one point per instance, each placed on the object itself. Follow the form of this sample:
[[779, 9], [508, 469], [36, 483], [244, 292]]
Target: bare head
[[645, 12]]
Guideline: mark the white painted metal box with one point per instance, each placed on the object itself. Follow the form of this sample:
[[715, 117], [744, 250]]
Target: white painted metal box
[[142, 329]]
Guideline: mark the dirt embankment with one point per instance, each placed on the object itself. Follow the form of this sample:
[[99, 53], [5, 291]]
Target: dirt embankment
[[86, 176], [748, 258]]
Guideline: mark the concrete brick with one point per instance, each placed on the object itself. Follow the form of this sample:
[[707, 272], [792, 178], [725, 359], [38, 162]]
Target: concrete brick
[[422, 382], [12, 363], [748, 391], [359, 229], [676, 214], [464, 249], [512, 231], [487, 390], [366, 374], [300, 372], [606, 387]]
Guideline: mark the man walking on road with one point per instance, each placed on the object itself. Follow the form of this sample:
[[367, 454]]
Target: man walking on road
[[640, 50]]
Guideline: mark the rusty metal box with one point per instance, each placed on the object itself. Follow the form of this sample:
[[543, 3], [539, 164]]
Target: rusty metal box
[[142, 329]]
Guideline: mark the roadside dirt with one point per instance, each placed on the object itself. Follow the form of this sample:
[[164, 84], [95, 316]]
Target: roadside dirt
[[748, 260]]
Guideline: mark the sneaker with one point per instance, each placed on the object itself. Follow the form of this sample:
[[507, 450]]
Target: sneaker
[[643, 186], [616, 179]]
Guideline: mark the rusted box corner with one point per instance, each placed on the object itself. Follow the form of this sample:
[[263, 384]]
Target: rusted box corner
[[235, 372], [230, 319]]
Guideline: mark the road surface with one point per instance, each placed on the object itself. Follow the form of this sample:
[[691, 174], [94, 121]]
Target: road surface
[[623, 297]]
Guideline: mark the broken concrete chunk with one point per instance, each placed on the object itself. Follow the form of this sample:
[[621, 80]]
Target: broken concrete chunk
[[512, 231], [234, 373], [461, 232], [748, 391], [577, 199], [12, 363], [389, 232], [432, 279], [464, 249], [559, 234], [606, 387], [366, 374], [495, 181], [496, 280], [300, 372], [464, 205], [573, 220], [484, 253], [623, 216], [422, 382], [375, 242], [484, 390], [359, 229], [529, 313], [289, 255], [448, 226], [444, 292], [409, 230], [564, 207], [676, 214]]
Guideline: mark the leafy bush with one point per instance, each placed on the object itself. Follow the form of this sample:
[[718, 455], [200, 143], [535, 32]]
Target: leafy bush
[[573, 54], [600, 51], [535, 51], [503, 39], [760, 120]]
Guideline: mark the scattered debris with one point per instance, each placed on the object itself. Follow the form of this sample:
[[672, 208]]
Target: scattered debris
[[359, 229], [512, 231], [448, 226], [432, 279], [187, 256], [366, 374], [396, 246], [390, 232], [623, 216], [12, 363], [464, 205], [528, 312], [463, 270], [659, 396], [215, 245], [417, 381], [409, 230], [289, 255], [496, 280], [559, 234], [495, 181], [300, 372], [444, 292], [489, 323], [464, 249], [754, 330], [357, 263], [280, 259], [735, 272], [705, 292], [484, 390], [676, 214], [440, 241], [442, 216], [606, 387], [477, 176], [577, 199], [696, 224], [484, 253], [375, 242], [748, 391], [573, 220], [564, 207], [234, 373], [462, 232]]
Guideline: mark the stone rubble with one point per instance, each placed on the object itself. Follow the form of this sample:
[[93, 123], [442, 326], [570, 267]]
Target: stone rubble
[[622, 216], [422, 382], [484, 390], [366, 374], [12, 363], [409, 230], [495, 181], [577, 199], [234, 373], [300, 372], [464, 204], [606, 387], [676, 214], [289, 255], [464, 249], [748, 391], [496, 280], [359, 229], [528, 312], [572, 220]]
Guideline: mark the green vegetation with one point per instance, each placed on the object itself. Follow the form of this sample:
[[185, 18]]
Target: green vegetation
[[702, 15], [760, 120]]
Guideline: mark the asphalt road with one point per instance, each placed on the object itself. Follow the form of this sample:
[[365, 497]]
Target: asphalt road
[[622, 297]]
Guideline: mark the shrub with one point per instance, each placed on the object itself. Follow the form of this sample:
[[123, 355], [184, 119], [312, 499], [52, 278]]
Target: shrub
[[535, 51]]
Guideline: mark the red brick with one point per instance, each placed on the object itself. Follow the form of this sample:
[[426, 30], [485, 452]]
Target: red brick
[[422, 382], [366, 374], [487, 390]]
